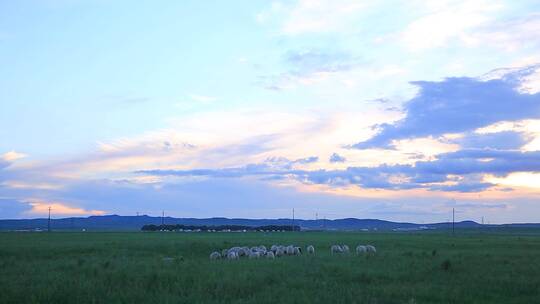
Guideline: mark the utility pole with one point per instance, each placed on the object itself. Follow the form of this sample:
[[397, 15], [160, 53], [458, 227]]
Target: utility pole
[[292, 219], [49, 221], [453, 220], [162, 217]]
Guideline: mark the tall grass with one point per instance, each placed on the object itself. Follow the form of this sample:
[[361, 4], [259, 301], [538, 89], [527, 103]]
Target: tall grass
[[130, 268]]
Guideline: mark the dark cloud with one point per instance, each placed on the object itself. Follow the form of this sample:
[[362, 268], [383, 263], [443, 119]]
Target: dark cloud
[[307, 160], [506, 140], [336, 158], [10, 208], [469, 164], [457, 105]]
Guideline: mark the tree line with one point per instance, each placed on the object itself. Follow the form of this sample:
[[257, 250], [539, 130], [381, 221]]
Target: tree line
[[179, 227]]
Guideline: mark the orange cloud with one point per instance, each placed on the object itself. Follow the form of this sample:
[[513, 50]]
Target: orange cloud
[[41, 208]]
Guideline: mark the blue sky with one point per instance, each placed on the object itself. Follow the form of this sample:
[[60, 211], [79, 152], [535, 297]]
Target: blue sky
[[399, 110]]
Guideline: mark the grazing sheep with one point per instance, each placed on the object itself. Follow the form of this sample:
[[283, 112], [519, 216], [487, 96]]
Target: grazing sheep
[[345, 248], [270, 255], [336, 249], [232, 255], [297, 251], [361, 249], [310, 249], [274, 248], [234, 249], [263, 248], [280, 252], [371, 249], [215, 255], [241, 252], [254, 255], [290, 250]]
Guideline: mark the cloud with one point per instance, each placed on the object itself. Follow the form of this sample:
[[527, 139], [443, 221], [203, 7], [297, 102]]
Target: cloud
[[511, 35], [456, 171], [12, 156], [310, 66], [39, 207], [313, 16], [10, 208], [505, 140], [336, 158], [271, 166], [310, 62], [447, 21], [457, 105]]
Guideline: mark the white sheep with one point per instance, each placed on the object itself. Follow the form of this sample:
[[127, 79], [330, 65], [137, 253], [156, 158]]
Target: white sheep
[[254, 255], [297, 251], [232, 255], [310, 249], [361, 249], [336, 249], [371, 249], [345, 248], [242, 252], [270, 255], [280, 252], [290, 250], [274, 248], [262, 248], [234, 249], [215, 255]]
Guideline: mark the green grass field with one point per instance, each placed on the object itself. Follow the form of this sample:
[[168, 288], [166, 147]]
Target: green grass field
[[473, 267]]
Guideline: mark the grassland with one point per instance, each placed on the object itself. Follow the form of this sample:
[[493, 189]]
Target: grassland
[[474, 267]]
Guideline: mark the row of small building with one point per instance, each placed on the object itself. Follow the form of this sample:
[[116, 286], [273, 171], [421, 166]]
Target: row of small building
[[257, 252]]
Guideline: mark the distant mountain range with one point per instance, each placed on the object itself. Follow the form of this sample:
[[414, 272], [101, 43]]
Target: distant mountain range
[[131, 223]]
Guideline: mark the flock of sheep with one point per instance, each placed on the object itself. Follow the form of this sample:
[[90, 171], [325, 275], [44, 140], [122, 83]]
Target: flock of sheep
[[257, 252]]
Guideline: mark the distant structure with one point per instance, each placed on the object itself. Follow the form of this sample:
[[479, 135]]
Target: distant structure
[[453, 219], [292, 226], [49, 221]]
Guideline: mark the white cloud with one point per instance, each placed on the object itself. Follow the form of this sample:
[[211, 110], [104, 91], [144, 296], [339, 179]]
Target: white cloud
[[12, 156], [314, 16], [510, 35], [448, 21]]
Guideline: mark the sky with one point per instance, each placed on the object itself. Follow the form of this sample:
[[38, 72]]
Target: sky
[[397, 110]]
